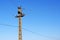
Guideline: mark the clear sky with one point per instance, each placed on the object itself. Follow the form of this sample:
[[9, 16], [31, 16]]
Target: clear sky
[[42, 17]]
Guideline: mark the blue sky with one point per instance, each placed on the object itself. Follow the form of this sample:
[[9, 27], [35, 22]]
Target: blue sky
[[41, 17]]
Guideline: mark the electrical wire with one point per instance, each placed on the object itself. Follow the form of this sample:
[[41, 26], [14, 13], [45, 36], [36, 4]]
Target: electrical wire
[[22, 28], [26, 30]]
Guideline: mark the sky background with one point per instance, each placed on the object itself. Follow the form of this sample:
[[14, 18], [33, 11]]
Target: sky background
[[42, 17]]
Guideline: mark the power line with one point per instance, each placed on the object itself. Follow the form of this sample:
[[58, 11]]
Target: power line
[[26, 30], [17, 26], [8, 25]]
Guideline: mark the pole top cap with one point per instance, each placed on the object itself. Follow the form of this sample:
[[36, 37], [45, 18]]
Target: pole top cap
[[19, 7]]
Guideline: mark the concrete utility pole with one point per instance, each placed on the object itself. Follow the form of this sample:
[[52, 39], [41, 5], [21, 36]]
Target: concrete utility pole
[[20, 15]]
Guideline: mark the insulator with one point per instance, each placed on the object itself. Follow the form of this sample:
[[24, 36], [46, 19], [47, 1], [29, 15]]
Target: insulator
[[19, 12]]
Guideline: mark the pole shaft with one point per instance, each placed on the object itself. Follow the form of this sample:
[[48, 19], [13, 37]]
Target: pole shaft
[[20, 29]]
